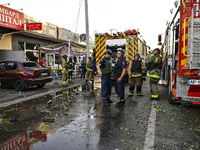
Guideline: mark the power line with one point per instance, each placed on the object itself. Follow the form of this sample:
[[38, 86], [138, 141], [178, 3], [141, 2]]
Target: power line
[[77, 19], [108, 12], [80, 4], [94, 7]]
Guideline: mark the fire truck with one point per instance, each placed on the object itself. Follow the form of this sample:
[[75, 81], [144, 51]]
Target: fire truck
[[181, 56], [129, 41]]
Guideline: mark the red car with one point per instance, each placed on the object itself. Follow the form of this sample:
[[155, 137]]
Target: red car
[[22, 74]]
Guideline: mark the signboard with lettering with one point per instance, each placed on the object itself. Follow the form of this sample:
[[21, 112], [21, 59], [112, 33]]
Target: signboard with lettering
[[11, 18], [33, 26], [47, 31], [64, 34], [17, 142]]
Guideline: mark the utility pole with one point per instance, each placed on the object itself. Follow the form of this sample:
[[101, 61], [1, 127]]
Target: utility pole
[[87, 29]]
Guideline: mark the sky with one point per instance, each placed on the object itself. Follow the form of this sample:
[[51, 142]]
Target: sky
[[149, 16]]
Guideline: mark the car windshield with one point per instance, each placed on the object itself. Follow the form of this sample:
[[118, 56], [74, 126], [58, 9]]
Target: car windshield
[[30, 65]]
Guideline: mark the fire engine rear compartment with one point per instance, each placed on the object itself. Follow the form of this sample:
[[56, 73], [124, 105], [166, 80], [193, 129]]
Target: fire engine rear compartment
[[113, 45], [181, 71]]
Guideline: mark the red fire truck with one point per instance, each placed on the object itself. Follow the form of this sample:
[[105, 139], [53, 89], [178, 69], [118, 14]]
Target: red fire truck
[[128, 41], [181, 69]]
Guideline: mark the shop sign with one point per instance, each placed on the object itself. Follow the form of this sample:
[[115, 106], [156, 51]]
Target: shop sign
[[11, 18], [65, 35], [48, 30], [17, 142], [33, 26]]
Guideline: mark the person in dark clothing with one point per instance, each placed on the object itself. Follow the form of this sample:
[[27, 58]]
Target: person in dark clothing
[[94, 61], [83, 66], [119, 72], [105, 69]]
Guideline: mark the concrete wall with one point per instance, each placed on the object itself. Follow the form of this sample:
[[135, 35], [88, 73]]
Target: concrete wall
[[6, 43], [11, 55]]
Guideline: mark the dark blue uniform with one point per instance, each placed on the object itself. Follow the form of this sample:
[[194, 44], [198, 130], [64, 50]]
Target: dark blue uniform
[[94, 62], [117, 71], [83, 66], [105, 83]]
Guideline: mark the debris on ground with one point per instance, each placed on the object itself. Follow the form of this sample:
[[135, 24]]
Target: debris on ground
[[49, 102], [48, 120], [13, 119]]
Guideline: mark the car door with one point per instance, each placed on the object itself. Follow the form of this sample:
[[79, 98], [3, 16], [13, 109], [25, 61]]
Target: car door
[[10, 74], [2, 75]]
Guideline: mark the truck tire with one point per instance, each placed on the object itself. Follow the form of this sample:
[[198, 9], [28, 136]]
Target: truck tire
[[170, 95], [19, 85]]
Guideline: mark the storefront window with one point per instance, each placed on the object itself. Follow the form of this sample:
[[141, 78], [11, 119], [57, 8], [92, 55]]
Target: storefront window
[[31, 50]]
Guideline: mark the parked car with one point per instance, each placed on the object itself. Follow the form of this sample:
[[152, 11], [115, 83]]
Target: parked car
[[22, 74]]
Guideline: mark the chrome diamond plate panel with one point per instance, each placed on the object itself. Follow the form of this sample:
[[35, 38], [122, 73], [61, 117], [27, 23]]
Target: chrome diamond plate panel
[[196, 44], [191, 99], [181, 89]]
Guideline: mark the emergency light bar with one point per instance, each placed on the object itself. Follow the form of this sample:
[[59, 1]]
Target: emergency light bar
[[128, 32]]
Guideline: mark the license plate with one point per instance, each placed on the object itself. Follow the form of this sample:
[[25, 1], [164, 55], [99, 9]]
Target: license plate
[[193, 82], [44, 74]]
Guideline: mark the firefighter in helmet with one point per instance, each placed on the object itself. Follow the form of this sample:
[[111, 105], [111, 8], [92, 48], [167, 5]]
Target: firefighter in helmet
[[105, 69], [70, 69], [119, 72], [137, 75], [64, 70], [89, 67], [154, 67]]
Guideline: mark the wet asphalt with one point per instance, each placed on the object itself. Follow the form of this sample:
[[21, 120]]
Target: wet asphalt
[[78, 120]]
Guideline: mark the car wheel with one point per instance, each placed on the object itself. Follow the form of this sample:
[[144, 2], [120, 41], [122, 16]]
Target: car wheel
[[40, 85], [19, 85]]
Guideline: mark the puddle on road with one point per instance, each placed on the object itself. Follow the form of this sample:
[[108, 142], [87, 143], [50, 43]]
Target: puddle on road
[[25, 124]]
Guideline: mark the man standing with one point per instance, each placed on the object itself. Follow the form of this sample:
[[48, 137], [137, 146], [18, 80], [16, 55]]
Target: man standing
[[64, 70], [105, 69], [89, 67], [94, 61], [83, 66], [42, 62], [70, 69], [137, 74], [154, 66], [119, 72]]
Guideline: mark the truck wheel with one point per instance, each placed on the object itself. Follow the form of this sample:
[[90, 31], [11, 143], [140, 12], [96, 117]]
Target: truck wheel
[[19, 85], [40, 85], [170, 95]]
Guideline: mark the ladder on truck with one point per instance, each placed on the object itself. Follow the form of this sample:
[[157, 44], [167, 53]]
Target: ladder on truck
[[194, 44]]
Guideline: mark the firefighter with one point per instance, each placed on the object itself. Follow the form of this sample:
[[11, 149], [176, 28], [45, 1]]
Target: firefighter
[[154, 66], [105, 69], [119, 72], [64, 70], [89, 67], [70, 69], [137, 75]]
